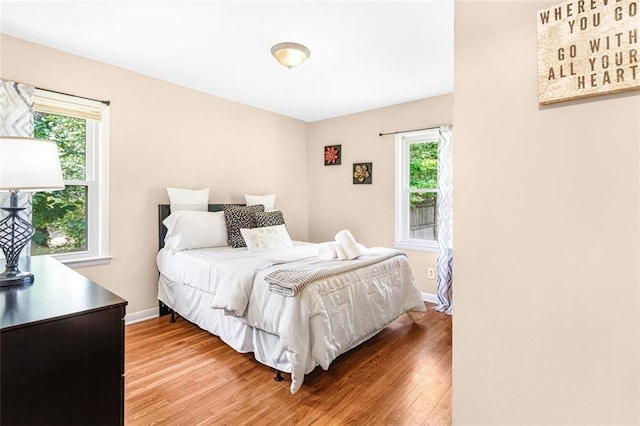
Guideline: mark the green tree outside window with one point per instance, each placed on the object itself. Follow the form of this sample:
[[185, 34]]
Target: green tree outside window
[[60, 217], [423, 170], [423, 175]]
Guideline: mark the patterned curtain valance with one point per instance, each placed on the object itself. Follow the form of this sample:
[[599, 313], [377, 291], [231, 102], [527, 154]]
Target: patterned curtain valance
[[16, 109]]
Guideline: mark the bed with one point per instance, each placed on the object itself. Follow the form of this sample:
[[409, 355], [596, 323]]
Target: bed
[[230, 293]]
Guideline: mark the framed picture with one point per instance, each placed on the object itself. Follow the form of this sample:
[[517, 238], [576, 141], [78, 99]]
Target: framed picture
[[362, 173], [332, 155]]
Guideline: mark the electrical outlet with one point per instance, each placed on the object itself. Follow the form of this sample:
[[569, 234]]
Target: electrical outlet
[[431, 273]]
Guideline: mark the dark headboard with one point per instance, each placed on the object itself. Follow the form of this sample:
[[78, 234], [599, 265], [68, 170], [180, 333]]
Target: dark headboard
[[164, 210]]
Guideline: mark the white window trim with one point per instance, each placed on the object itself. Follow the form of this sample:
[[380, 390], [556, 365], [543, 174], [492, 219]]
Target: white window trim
[[98, 200], [402, 239]]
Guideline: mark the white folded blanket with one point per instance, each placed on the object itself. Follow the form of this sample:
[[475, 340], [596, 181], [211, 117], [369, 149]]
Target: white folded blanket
[[349, 245]]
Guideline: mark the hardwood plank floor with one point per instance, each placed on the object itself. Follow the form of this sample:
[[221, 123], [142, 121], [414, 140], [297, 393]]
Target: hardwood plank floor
[[178, 374]]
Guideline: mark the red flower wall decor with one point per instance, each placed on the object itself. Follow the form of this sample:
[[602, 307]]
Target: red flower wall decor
[[332, 155]]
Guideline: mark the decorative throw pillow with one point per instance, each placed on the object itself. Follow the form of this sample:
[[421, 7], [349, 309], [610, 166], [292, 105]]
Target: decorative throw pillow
[[267, 238], [188, 199], [268, 201], [272, 218], [240, 217]]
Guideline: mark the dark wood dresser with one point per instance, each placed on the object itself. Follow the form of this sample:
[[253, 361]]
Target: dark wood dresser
[[61, 350]]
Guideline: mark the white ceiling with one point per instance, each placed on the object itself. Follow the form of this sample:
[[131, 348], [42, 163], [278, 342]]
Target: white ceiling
[[364, 54]]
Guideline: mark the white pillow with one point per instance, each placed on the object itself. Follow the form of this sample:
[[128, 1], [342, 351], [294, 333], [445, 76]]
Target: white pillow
[[188, 199], [268, 201], [266, 238], [193, 229]]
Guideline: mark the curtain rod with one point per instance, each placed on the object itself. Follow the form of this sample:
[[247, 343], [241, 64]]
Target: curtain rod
[[75, 96], [414, 130]]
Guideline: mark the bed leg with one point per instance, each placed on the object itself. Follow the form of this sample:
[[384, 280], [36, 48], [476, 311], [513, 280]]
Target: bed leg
[[416, 316], [173, 316], [278, 377]]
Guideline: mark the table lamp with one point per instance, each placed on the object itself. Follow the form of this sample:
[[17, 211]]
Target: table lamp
[[29, 165]]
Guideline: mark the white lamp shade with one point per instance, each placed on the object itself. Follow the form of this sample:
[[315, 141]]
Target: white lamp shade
[[29, 165]]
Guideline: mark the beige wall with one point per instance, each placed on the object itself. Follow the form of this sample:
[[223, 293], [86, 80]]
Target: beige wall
[[165, 135], [335, 203], [546, 324]]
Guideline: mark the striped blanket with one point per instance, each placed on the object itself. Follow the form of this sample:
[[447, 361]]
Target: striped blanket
[[290, 281]]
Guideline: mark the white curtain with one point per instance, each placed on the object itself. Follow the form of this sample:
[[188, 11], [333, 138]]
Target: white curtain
[[16, 119], [445, 221]]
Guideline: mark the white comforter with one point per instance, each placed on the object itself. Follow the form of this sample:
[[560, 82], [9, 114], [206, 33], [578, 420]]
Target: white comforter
[[325, 319]]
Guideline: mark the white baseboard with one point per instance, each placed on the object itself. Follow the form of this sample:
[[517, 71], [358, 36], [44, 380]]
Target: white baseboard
[[139, 316], [431, 298]]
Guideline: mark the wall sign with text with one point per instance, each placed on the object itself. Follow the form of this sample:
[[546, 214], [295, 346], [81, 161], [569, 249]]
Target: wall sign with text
[[588, 48]]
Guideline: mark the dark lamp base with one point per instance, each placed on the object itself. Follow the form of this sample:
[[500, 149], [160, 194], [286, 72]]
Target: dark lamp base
[[15, 278]]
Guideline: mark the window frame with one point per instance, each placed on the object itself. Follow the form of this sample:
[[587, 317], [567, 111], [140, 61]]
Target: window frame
[[96, 172], [402, 240]]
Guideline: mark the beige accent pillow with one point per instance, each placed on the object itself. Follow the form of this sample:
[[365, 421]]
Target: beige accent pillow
[[266, 238]]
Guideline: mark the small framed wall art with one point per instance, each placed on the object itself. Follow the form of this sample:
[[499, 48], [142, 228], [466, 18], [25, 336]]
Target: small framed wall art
[[332, 155], [362, 173]]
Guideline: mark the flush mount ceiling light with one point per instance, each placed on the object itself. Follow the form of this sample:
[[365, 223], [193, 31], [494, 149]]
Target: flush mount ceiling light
[[290, 54]]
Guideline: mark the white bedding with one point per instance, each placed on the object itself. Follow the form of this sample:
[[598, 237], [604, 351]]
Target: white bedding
[[327, 318]]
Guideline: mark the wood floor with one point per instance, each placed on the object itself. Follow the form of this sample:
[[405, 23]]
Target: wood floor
[[178, 374]]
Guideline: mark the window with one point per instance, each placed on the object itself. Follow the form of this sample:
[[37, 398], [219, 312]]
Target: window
[[416, 194], [72, 224]]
